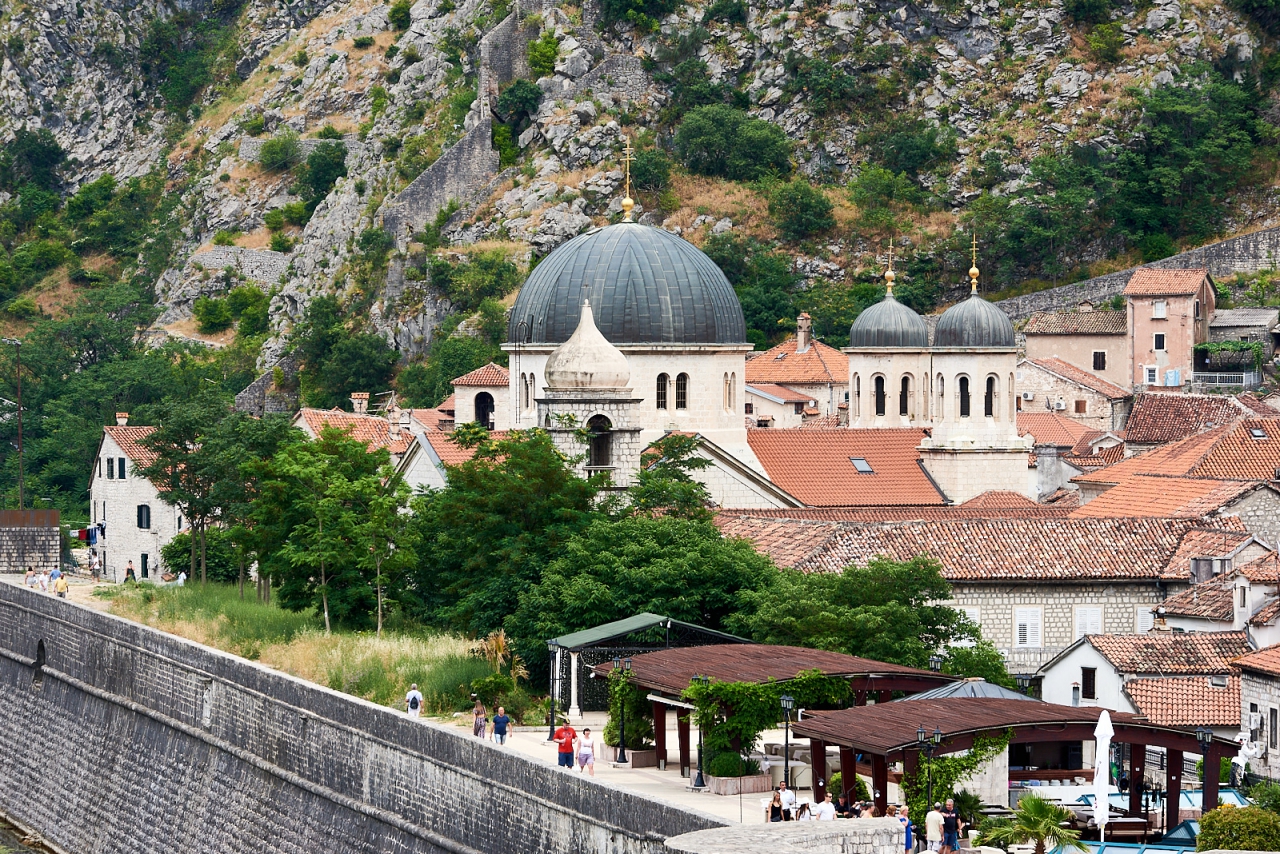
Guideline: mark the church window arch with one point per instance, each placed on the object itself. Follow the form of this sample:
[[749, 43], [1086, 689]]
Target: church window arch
[[484, 409], [963, 396], [989, 398], [940, 411], [904, 397], [724, 393], [533, 392], [1013, 414], [880, 396], [601, 448], [733, 391], [682, 391], [857, 396], [664, 382]]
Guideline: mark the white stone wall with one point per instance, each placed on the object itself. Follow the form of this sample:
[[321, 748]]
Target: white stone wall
[[1263, 692], [1061, 680], [1260, 513], [732, 490], [784, 415], [867, 365], [962, 473], [115, 502], [464, 404], [1050, 389]]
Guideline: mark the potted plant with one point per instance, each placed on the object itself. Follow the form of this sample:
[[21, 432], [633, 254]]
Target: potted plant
[[731, 774], [1038, 822]]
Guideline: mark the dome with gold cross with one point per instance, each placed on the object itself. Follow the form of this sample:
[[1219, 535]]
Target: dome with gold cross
[[974, 322]]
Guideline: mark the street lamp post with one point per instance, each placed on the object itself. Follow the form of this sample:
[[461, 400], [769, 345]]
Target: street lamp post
[[1024, 682], [788, 703], [935, 663], [1204, 735], [552, 648], [623, 667], [17, 349], [928, 744], [699, 782]]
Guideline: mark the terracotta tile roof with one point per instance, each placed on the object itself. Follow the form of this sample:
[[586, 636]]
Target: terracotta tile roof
[[1050, 428], [821, 422], [1096, 458], [374, 431], [1081, 377], [819, 365], [1012, 549], [815, 466], [130, 441], [1267, 614], [999, 499], [1265, 660], [1210, 600], [908, 514], [1159, 418], [1187, 702], [1256, 405], [1224, 538], [785, 394], [448, 405], [1078, 323], [1230, 452], [786, 541], [1165, 497], [489, 375], [452, 454], [1172, 653], [1262, 570], [1152, 281], [429, 418]]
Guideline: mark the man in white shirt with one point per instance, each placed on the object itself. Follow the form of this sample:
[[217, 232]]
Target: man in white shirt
[[825, 811], [788, 799], [933, 828], [413, 701]]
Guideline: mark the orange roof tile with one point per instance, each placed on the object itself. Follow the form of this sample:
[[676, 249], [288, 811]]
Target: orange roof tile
[[449, 453], [927, 513], [1209, 600], [1078, 323], [819, 365], [490, 375], [1267, 614], [1262, 570], [1050, 428], [786, 542], [815, 466], [130, 441], [787, 395], [1159, 418], [374, 431], [1081, 377], [1227, 536], [1266, 660], [999, 499], [1187, 702], [1097, 457], [1152, 281], [448, 405], [429, 418], [1172, 653], [1165, 497], [1230, 452], [1256, 405], [821, 422]]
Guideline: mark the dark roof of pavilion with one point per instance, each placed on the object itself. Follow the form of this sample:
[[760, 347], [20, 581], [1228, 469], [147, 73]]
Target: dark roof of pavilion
[[889, 727], [672, 670]]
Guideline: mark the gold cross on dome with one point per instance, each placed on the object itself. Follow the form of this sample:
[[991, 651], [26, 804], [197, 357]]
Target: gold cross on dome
[[627, 158]]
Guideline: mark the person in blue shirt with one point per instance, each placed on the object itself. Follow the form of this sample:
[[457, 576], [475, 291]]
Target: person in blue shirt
[[500, 723]]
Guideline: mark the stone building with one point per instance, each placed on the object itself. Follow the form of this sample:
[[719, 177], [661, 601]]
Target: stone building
[[136, 523], [1256, 504], [813, 374], [485, 396], [1055, 385], [1169, 312], [1260, 708], [1235, 591], [1247, 324], [1093, 341]]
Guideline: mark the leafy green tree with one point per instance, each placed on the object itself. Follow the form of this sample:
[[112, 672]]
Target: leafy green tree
[[385, 540], [283, 151], [903, 143], [1041, 823], [883, 197], [220, 554], [691, 86], [800, 211], [764, 282], [981, 660], [399, 15], [651, 170], [888, 611], [543, 53], [428, 383], [481, 276], [519, 100], [33, 158], [665, 485], [1239, 829], [326, 163], [1088, 11], [336, 361], [721, 141]]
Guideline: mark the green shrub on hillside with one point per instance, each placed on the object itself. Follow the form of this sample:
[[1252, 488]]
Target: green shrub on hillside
[[399, 15], [906, 144], [651, 170], [212, 315], [799, 210], [1088, 11], [721, 141], [281, 152], [519, 100], [362, 42], [543, 53], [1106, 40]]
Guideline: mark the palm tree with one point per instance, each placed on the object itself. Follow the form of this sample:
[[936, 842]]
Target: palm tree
[[1039, 821]]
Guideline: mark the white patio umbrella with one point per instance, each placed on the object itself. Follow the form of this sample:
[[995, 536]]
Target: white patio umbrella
[[1102, 772]]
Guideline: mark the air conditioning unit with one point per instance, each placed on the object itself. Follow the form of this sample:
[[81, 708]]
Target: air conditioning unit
[[1028, 395], [1060, 405]]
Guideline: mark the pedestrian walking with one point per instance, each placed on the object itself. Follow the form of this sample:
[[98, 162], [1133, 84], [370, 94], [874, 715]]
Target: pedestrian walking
[[30, 578], [825, 811], [803, 813], [128, 573], [908, 843], [788, 801], [479, 720], [587, 752], [44, 581], [774, 812], [500, 723], [61, 587], [933, 828], [951, 827], [564, 738], [413, 701]]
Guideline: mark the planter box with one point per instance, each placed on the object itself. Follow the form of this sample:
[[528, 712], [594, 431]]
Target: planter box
[[635, 758], [754, 784]]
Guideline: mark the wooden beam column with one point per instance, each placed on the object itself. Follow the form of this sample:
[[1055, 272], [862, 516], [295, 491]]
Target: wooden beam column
[[1137, 777], [660, 733], [682, 735], [818, 762], [880, 782], [884, 697], [848, 772], [1212, 770], [1173, 786], [859, 698]]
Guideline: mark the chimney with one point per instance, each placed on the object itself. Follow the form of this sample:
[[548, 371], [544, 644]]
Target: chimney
[[406, 417], [393, 417], [360, 402], [122, 419], [804, 332]]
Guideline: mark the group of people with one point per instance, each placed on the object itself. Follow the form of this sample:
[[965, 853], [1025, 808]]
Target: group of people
[[569, 744], [783, 807], [46, 580], [942, 825], [480, 723]]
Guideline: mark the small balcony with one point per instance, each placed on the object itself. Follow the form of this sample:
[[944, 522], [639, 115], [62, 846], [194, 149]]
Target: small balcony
[[1242, 379]]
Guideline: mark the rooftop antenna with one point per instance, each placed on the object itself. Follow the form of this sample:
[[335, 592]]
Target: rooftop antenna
[[627, 202], [973, 270]]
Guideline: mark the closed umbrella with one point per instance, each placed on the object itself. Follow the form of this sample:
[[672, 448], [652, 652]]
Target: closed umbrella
[[1102, 772]]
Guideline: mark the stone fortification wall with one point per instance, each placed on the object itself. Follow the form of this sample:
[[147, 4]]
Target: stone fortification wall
[[35, 546], [258, 265], [263, 396], [1246, 254], [179, 748], [619, 76]]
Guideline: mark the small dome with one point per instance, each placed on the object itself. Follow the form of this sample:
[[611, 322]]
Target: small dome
[[974, 323], [889, 323], [648, 286], [587, 360]]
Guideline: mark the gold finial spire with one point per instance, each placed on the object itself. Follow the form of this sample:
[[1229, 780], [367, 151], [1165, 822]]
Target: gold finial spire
[[627, 202], [973, 271], [889, 275]]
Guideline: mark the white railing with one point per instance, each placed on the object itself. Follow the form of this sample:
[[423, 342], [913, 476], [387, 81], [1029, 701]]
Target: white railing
[[1247, 379]]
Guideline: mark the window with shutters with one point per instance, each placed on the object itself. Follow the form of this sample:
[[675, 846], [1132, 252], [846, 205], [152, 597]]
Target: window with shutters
[[1088, 621], [1144, 619], [1027, 632], [1081, 408], [111, 468], [1099, 360], [144, 516], [1275, 723], [1151, 376], [120, 468], [1159, 309], [1089, 683]]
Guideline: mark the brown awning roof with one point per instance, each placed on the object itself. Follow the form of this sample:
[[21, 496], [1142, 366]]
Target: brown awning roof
[[672, 670]]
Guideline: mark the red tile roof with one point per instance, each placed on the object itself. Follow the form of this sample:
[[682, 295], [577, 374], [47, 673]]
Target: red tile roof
[[1095, 458], [1078, 323], [1266, 615], [1050, 428], [821, 422], [1262, 570], [1256, 405], [374, 431], [1081, 377], [1152, 281], [1225, 537], [130, 441], [1159, 418], [1230, 452], [449, 453], [819, 365], [1187, 702], [1210, 600], [1165, 497], [814, 466], [488, 376], [910, 514], [429, 418], [787, 542], [1266, 660], [1172, 653], [999, 499], [448, 405], [787, 395]]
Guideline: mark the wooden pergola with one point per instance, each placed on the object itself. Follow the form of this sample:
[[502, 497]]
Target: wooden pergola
[[886, 733], [669, 672]]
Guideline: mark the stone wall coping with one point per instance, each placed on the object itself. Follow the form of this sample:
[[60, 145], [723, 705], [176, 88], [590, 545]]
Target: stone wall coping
[[843, 836]]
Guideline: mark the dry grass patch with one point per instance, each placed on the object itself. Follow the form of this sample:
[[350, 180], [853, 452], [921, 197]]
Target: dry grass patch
[[719, 198], [190, 328], [55, 294], [259, 238]]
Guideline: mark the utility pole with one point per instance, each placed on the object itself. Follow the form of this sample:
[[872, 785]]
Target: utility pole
[[17, 348]]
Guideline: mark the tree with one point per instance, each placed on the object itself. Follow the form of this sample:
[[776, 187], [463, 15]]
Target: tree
[[982, 660], [888, 610], [721, 141], [326, 163], [429, 383], [519, 100], [800, 211], [543, 53], [281, 152], [385, 539], [1039, 822], [32, 157], [664, 485], [399, 15]]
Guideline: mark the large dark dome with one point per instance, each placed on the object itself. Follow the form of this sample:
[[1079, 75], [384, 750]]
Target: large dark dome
[[646, 286], [889, 323], [974, 323]]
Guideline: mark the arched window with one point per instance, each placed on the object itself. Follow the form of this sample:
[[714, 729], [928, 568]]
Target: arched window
[[524, 391], [940, 411], [857, 396], [724, 394], [1013, 414], [484, 410], [601, 455], [663, 382], [926, 397], [963, 391], [682, 391], [989, 400], [533, 392], [733, 392], [880, 396], [904, 399]]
